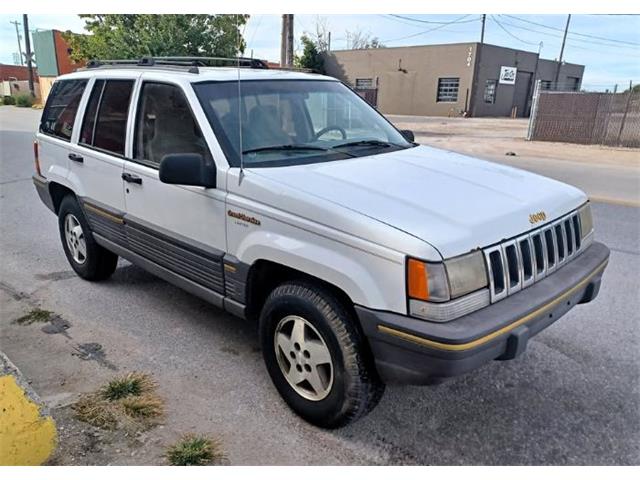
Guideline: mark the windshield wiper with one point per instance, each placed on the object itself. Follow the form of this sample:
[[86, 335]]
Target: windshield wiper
[[285, 147], [373, 143]]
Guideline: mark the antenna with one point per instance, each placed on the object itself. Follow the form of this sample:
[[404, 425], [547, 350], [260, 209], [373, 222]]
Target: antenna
[[239, 101]]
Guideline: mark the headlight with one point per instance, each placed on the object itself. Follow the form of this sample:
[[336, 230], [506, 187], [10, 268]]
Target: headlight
[[452, 281], [586, 220]]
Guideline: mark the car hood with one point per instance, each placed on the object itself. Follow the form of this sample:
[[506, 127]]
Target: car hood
[[454, 202]]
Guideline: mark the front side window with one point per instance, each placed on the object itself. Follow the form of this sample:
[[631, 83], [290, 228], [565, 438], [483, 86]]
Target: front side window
[[292, 122], [105, 122], [62, 105], [165, 125], [448, 89], [490, 91]]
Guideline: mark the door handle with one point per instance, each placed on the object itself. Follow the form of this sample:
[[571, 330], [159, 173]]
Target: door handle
[[127, 177], [76, 158]]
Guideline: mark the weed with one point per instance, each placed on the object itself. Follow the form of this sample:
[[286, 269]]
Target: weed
[[34, 316], [143, 407], [93, 409], [195, 450], [129, 400], [132, 384], [24, 101]]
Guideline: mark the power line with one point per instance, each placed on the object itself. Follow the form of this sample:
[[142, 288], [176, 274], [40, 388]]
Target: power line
[[431, 22], [457, 20], [613, 40], [509, 33], [590, 42]]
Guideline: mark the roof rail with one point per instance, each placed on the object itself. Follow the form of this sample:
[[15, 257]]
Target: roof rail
[[191, 64]]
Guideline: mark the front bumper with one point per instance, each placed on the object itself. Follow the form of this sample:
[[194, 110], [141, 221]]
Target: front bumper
[[412, 351]]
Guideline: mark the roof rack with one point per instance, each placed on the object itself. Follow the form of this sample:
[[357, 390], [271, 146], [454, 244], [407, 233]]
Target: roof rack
[[190, 64]]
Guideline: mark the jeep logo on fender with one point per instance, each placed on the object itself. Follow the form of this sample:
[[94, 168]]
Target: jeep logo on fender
[[243, 217], [537, 217]]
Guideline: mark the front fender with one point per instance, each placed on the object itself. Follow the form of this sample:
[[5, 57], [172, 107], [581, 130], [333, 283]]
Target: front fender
[[367, 279]]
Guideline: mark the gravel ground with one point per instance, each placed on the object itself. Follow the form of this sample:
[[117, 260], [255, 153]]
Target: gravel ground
[[572, 398]]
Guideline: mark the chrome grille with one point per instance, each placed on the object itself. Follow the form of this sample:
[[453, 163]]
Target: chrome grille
[[517, 263]]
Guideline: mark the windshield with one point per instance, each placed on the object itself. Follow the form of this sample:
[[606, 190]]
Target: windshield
[[293, 122]]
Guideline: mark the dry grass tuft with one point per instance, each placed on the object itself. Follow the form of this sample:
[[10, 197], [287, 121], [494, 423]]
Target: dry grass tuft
[[130, 400], [195, 450]]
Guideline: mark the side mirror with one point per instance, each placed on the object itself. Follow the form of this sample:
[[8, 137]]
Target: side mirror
[[187, 169], [408, 135]]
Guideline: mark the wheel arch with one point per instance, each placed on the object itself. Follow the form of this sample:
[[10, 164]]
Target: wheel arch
[[264, 275], [58, 192]]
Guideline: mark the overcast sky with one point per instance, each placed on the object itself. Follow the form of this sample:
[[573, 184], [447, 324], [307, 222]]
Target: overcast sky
[[611, 58]]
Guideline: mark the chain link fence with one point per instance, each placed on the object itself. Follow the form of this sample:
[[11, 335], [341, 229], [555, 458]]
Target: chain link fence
[[611, 119]]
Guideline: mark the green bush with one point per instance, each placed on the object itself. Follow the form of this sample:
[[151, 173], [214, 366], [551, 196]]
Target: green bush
[[24, 101], [9, 100]]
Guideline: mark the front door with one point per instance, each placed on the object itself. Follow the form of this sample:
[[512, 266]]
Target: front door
[[180, 228]]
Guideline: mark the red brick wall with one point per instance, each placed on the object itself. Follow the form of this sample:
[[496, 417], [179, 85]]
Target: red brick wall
[[16, 71], [65, 64]]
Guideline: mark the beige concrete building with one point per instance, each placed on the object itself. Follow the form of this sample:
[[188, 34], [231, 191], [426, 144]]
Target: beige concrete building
[[450, 79]]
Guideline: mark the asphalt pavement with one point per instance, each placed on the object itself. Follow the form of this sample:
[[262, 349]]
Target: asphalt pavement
[[572, 398]]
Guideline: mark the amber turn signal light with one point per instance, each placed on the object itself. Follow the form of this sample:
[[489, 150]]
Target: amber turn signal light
[[417, 283]]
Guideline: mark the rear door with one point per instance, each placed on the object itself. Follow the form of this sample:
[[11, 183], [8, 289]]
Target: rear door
[[97, 160], [181, 228], [57, 127]]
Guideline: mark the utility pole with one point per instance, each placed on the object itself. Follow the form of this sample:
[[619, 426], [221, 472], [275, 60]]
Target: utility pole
[[283, 41], [475, 87], [564, 39], [16, 23], [29, 55], [286, 41], [290, 41], [328, 41]]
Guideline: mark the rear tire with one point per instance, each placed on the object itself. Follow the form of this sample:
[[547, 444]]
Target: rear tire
[[300, 325], [88, 259]]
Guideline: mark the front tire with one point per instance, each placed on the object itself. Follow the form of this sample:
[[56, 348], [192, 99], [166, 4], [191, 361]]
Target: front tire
[[88, 259], [316, 356]]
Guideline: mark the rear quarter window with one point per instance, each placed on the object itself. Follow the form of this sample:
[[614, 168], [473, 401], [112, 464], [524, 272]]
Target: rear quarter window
[[62, 105]]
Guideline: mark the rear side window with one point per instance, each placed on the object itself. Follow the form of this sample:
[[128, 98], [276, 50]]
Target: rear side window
[[62, 105], [105, 122]]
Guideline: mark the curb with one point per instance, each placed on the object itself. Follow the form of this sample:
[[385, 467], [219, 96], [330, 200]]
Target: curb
[[27, 431]]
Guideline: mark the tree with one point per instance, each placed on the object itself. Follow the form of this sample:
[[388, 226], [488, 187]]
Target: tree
[[357, 40], [136, 36], [311, 58]]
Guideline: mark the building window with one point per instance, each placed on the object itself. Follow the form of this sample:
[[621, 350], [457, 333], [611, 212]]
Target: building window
[[573, 83], [545, 84], [448, 89], [490, 91], [363, 83]]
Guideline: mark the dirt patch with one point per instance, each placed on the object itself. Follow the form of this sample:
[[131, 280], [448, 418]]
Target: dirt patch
[[83, 444]]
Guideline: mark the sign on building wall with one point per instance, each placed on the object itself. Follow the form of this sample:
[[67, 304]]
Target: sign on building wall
[[508, 75]]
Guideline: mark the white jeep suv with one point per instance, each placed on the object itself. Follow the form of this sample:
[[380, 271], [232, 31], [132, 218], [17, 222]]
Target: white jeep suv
[[284, 197]]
